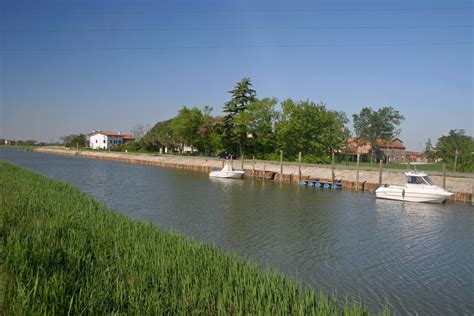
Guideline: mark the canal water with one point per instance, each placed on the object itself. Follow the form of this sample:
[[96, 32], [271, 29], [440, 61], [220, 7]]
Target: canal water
[[416, 257]]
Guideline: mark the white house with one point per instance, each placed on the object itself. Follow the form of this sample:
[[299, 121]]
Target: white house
[[106, 139]]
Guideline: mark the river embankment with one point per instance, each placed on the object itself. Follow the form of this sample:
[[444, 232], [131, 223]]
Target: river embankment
[[100, 262], [461, 184]]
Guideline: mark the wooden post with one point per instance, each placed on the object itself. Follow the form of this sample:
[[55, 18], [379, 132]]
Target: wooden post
[[357, 172], [332, 168], [223, 162], [253, 166], [231, 161], [242, 162], [281, 165], [472, 195], [456, 160], [444, 176], [299, 166], [380, 172], [264, 171]]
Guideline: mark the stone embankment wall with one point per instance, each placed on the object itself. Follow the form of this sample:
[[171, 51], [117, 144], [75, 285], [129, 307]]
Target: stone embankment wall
[[368, 179]]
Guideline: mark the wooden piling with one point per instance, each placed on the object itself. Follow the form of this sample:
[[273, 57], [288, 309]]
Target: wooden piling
[[472, 195], [223, 163], [357, 172], [281, 165], [444, 176], [299, 166], [332, 167], [253, 166], [242, 162], [264, 170], [231, 161], [380, 172]]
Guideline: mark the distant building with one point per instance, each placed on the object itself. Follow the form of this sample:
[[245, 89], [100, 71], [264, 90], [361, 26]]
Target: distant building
[[413, 156], [389, 151], [107, 140]]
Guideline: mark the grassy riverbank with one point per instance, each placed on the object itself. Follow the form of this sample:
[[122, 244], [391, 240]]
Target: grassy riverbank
[[62, 252]]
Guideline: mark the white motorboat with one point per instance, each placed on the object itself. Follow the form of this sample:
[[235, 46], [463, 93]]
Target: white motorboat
[[419, 187], [227, 172]]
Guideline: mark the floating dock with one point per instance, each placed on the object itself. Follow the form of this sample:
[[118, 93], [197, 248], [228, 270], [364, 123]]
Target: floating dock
[[321, 184]]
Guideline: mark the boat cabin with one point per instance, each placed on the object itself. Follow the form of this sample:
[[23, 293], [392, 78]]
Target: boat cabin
[[418, 178]]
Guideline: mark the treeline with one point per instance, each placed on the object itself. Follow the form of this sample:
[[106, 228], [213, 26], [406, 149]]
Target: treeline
[[262, 127], [28, 142], [455, 149]]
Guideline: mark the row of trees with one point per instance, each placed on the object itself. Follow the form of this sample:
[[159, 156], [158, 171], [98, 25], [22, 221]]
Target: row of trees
[[263, 127], [455, 149]]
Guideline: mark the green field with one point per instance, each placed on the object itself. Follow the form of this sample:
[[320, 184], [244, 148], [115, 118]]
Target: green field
[[397, 166], [64, 253]]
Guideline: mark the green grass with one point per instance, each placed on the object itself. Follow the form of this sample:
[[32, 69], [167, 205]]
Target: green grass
[[64, 253], [19, 147], [396, 166]]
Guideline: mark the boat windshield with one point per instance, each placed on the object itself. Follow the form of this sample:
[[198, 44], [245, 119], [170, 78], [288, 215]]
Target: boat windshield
[[428, 180], [415, 180]]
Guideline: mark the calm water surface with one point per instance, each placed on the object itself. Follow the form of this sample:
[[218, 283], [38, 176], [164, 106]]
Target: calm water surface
[[418, 257]]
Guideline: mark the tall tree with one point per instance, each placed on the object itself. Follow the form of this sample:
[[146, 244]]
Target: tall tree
[[310, 128], [160, 135], [259, 120], [372, 125], [186, 124], [429, 152], [242, 95], [456, 141]]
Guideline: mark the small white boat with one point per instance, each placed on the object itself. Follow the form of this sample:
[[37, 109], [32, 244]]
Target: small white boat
[[227, 172], [419, 187]]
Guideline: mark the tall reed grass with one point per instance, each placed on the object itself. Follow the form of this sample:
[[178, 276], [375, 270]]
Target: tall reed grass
[[64, 253]]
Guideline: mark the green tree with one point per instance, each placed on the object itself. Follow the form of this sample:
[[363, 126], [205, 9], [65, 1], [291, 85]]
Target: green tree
[[310, 128], [372, 125], [456, 141], [159, 136], [187, 123], [234, 134], [259, 120], [74, 141], [429, 151]]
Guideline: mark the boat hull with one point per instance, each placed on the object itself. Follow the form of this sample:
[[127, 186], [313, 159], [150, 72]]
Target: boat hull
[[228, 175], [400, 193]]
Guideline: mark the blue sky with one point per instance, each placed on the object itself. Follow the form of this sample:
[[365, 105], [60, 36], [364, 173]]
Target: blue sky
[[73, 66]]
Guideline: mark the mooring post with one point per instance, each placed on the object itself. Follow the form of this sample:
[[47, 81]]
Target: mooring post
[[264, 171], [357, 172], [380, 172], [223, 163], [332, 168], [444, 176], [472, 195], [456, 159], [231, 161], [281, 165], [299, 166], [253, 166], [242, 162]]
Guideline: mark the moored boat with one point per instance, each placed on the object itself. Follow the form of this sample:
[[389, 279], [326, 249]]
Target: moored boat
[[419, 187], [227, 172]]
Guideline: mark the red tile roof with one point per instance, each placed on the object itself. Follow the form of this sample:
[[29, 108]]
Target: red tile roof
[[128, 137], [115, 134], [364, 146]]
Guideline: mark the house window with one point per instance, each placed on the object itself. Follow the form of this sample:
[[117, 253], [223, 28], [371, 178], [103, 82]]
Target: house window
[[104, 141], [96, 141]]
